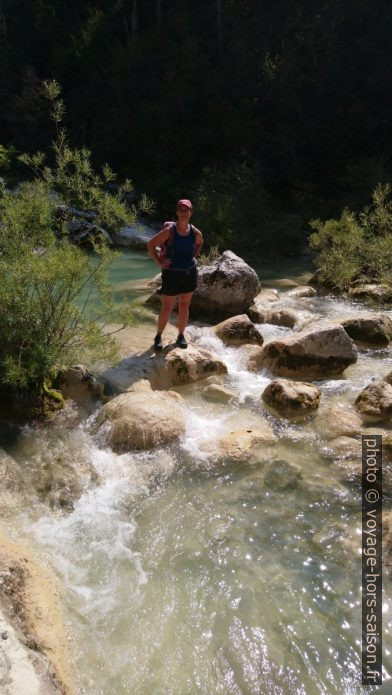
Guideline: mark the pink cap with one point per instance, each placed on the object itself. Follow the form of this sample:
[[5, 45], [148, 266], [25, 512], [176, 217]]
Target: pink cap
[[186, 202]]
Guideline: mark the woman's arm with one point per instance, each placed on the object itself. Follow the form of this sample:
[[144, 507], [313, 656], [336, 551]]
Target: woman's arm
[[158, 240], [198, 242]]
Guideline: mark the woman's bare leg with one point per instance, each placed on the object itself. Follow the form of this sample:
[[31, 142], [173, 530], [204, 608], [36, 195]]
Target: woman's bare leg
[[184, 301], [166, 309]]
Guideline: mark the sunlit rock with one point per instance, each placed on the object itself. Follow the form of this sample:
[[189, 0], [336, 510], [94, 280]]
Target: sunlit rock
[[302, 291], [240, 444], [217, 393], [238, 330], [375, 292], [179, 366], [226, 287], [255, 357], [337, 420], [79, 384], [259, 313], [312, 353], [141, 420], [369, 329], [374, 403], [30, 600], [291, 399]]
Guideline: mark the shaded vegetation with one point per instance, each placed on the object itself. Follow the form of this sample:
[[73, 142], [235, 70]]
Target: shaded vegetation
[[266, 114], [46, 319]]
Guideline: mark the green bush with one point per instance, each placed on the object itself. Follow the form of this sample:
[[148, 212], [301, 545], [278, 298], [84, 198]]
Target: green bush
[[356, 248], [47, 321]]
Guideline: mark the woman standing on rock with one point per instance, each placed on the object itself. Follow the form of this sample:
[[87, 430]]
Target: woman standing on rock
[[180, 243]]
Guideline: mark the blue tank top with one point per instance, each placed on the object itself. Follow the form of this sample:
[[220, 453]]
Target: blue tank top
[[181, 250]]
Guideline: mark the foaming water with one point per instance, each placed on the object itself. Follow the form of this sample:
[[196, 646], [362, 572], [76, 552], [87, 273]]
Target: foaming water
[[184, 573]]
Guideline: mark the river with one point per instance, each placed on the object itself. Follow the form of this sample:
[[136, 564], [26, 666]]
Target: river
[[180, 576]]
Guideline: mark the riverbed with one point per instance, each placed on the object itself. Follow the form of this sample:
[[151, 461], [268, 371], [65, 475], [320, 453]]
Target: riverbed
[[184, 575]]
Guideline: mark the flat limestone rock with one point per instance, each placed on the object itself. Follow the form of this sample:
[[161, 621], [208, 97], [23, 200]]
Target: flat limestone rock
[[12, 486], [240, 442], [30, 603]]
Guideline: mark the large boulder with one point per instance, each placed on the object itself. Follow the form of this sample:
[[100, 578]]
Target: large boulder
[[135, 236], [238, 330], [291, 399], [226, 287], [369, 329], [313, 353], [374, 403], [180, 366], [141, 420]]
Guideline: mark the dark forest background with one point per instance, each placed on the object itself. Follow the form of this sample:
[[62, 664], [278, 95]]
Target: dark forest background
[[266, 114]]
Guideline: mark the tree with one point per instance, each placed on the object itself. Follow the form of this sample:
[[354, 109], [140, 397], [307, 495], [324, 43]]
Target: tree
[[47, 320]]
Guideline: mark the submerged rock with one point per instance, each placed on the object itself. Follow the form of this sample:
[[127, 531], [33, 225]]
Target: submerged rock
[[226, 287], [312, 353], [217, 393], [240, 444], [337, 420], [30, 600], [12, 486], [281, 475], [291, 399], [374, 403], [141, 420], [238, 330], [259, 313], [302, 291], [369, 329]]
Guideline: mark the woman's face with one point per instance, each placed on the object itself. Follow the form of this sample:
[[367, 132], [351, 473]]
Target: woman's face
[[183, 212]]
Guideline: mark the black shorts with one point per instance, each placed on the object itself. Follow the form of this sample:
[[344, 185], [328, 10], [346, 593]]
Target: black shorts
[[176, 282]]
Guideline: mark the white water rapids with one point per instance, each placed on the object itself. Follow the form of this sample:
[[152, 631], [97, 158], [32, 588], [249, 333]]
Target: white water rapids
[[180, 576]]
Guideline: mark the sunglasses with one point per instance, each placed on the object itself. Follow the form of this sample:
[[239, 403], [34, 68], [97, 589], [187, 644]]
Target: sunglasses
[[183, 208]]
